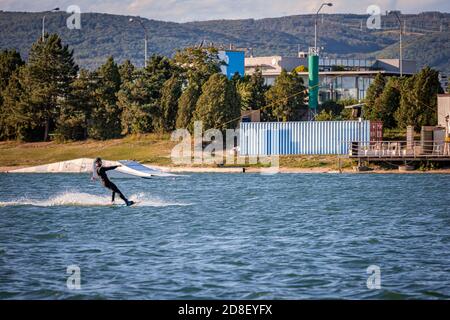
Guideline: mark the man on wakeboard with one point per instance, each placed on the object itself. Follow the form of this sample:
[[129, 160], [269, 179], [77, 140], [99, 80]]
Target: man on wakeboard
[[101, 172]]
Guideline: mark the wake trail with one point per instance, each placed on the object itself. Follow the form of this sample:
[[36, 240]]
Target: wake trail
[[79, 199]]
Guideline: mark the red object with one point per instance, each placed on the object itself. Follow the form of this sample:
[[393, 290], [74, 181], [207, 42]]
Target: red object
[[376, 131]]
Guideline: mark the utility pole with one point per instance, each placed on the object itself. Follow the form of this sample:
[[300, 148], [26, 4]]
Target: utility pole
[[43, 23], [145, 39], [313, 68], [401, 44]]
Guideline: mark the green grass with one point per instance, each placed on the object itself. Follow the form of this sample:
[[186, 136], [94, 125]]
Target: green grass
[[308, 162], [150, 148], [397, 135]]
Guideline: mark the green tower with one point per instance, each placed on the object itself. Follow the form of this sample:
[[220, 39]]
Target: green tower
[[313, 67]]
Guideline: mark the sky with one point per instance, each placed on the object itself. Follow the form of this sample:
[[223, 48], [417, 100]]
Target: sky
[[199, 10]]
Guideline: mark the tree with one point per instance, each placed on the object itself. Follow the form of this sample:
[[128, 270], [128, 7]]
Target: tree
[[159, 69], [218, 106], [198, 63], [389, 102], [347, 114], [336, 111], [374, 92], [46, 80], [168, 107], [15, 122], [106, 114], [286, 97], [140, 97], [332, 107], [186, 105], [418, 103], [325, 115], [135, 98], [10, 60], [301, 68], [252, 90], [75, 116], [126, 71]]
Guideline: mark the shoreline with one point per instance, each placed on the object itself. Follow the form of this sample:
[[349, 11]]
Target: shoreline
[[155, 151], [282, 170]]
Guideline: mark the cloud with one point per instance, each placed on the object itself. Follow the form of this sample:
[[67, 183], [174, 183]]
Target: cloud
[[190, 10]]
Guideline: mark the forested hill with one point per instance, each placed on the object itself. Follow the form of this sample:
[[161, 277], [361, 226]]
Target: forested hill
[[427, 36]]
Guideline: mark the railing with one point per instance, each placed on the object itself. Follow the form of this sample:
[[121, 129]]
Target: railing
[[399, 149]]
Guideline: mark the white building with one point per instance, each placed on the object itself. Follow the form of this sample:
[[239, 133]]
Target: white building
[[339, 78]]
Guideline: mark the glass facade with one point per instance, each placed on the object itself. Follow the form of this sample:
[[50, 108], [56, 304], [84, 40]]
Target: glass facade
[[346, 64], [339, 78], [343, 87]]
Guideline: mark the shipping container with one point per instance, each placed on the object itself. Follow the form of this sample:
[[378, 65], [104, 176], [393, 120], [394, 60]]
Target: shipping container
[[302, 138]]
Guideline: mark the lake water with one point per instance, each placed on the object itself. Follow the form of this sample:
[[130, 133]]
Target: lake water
[[226, 236]]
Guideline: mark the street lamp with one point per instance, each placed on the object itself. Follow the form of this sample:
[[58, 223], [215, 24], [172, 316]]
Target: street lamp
[[145, 39], [313, 69], [329, 4], [401, 45], [43, 23]]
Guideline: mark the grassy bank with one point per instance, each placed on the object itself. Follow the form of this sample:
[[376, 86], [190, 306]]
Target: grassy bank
[[147, 148], [152, 148]]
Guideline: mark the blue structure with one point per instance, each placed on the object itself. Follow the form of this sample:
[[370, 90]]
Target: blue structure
[[234, 63], [301, 138]]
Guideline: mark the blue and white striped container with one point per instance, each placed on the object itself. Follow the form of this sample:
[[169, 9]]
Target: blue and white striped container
[[301, 138]]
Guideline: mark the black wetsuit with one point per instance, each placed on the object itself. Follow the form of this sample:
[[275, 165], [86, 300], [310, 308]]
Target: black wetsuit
[[108, 184]]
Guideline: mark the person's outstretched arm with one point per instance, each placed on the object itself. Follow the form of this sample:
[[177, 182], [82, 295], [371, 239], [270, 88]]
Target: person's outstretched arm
[[110, 168]]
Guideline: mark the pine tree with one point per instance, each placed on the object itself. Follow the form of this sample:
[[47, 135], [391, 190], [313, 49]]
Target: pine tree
[[10, 60], [372, 103], [287, 97], [106, 115], [389, 102], [126, 71], [198, 64], [140, 98], [15, 122], [218, 106], [418, 104], [186, 106], [252, 90], [258, 90], [75, 115], [168, 108], [159, 69], [46, 81]]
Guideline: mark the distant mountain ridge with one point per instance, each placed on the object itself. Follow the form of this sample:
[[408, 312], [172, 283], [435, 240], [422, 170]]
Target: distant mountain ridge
[[427, 36]]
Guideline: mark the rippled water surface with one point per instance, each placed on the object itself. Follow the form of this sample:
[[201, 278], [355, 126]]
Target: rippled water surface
[[226, 236]]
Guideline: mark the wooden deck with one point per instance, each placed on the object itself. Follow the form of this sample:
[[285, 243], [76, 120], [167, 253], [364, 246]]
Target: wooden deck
[[400, 151]]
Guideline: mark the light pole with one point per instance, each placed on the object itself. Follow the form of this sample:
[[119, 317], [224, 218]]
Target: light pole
[[313, 69], [401, 44], [145, 39], [315, 24], [43, 23]]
